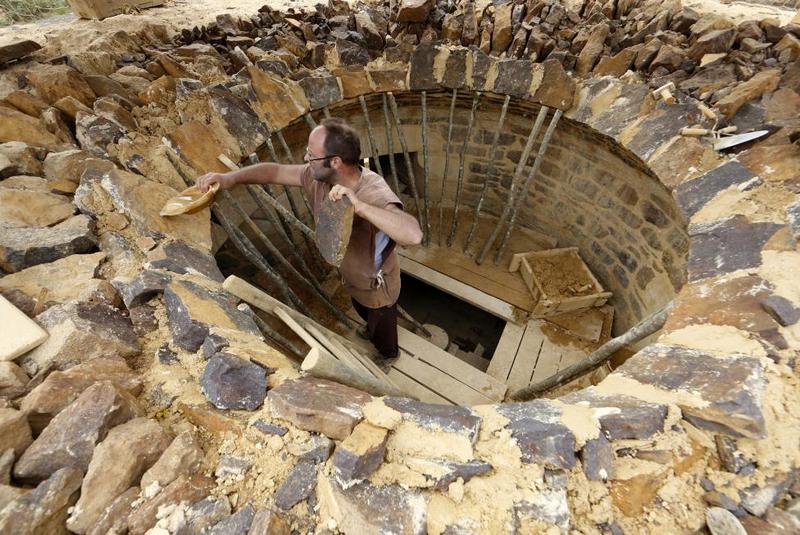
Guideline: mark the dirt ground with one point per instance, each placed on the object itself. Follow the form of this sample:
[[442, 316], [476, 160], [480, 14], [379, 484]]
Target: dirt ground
[[178, 14]]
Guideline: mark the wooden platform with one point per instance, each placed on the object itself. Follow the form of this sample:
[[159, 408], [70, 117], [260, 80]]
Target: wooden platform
[[435, 376]]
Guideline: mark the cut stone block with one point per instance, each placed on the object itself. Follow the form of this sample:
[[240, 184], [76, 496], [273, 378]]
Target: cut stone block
[[236, 524], [360, 454], [15, 433], [61, 388], [17, 50], [541, 437], [21, 159], [319, 405], [448, 418], [298, 486], [229, 382], [693, 194], [17, 126], [206, 512], [422, 76], [139, 289], [549, 506], [180, 257], [727, 245], [80, 332], [114, 519], [193, 309], [442, 473], [513, 77], [598, 459], [95, 133], [70, 439], [366, 508], [621, 417], [731, 387], [13, 380], [230, 466], [21, 333], [24, 247], [334, 226], [25, 208], [182, 457], [321, 89], [184, 489], [25, 287], [117, 463], [44, 509]]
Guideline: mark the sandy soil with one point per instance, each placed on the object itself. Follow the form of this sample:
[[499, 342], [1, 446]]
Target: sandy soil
[[178, 14]]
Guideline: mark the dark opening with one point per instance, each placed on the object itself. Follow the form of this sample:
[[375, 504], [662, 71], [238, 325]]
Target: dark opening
[[473, 334], [403, 176]]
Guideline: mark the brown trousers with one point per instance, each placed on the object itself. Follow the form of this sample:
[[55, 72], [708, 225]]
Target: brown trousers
[[381, 327]]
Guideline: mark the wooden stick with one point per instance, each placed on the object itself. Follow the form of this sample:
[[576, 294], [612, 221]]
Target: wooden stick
[[287, 191], [320, 363], [526, 185], [373, 146], [291, 160], [390, 144], [425, 170], [446, 162], [488, 179], [326, 112], [641, 330], [537, 125], [337, 350], [412, 181], [460, 180], [413, 321], [277, 337], [312, 124]]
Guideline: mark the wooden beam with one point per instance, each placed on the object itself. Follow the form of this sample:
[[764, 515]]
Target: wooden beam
[[467, 293], [421, 349], [416, 390], [506, 351], [320, 363], [439, 382]]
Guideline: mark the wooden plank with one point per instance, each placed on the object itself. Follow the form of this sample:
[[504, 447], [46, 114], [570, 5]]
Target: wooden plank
[[416, 390], [479, 381], [467, 293], [586, 324], [506, 351], [548, 361], [527, 356], [337, 350], [487, 277], [439, 382], [298, 329]]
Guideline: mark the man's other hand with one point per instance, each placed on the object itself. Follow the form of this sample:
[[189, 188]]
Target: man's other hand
[[338, 191], [225, 181]]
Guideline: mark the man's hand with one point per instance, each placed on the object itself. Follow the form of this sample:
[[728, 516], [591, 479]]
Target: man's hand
[[338, 191], [225, 181]]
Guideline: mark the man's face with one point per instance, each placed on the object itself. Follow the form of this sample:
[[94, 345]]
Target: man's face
[[320, 168]]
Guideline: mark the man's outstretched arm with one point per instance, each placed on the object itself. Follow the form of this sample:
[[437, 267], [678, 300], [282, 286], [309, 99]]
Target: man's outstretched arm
[[261, 173], [401, 227]]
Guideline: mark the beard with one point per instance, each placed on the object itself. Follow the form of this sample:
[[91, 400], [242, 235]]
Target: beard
[[325, 174]]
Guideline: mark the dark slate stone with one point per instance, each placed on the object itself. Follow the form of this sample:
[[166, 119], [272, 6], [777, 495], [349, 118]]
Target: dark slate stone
[[109, 319], [731, 385], [623, 111], [277, 67], [793, 213], [731, 459], [186, 86], [353, 465], [693, 194], [481, 62], [421, 77], [513, 77], [756, 500], [237, 524], [321, 89], [270, 429], [451, 471], [719, 499], [180, 257], [447, 418], [96, 133], [142, 287], [239, 118], [319, 449], [541, 437], [556, 479], [548, 505], [660, 126], [186, 319], [230, 466], [781, 309], [591, 89], [727, 245], [17, 49], [42, 510], [632, 419], [204, 513], [229, 382], [598, 459], [21, 248], [351, 53], [213, 344], [455, 69], [297, 486]]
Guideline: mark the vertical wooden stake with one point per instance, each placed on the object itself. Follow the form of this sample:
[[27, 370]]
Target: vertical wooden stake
[[425, 169], [373, 146], [390, 144], [446, 162], [460, 180]]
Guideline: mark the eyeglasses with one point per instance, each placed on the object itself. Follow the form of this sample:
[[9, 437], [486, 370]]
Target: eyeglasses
[[309, 157]]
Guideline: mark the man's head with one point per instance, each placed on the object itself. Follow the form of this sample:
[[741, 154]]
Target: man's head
[[333, 149]]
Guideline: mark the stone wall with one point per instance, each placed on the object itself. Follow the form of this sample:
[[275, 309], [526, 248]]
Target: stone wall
[[589, 192]]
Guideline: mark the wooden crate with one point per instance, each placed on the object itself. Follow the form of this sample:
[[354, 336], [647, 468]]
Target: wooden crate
[[549, 305], [100, 9]]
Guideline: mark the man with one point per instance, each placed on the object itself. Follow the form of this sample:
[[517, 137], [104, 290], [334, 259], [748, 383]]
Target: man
[[370, 269]]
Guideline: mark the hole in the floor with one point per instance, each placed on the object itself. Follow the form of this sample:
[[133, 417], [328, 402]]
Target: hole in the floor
[[471, 333]]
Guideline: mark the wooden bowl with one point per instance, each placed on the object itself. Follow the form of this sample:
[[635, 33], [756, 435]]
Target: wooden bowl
[[190, 200]]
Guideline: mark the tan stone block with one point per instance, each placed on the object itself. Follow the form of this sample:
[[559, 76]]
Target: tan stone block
[[354, 81], [279, 101], [17, 126], [54, 82], [761, 83], [26, 103]]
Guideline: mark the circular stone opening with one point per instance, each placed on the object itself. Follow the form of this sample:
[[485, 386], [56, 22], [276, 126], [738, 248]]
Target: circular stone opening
[[590, 204]]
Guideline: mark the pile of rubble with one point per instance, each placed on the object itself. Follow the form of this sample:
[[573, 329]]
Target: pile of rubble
[[155, 404]]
